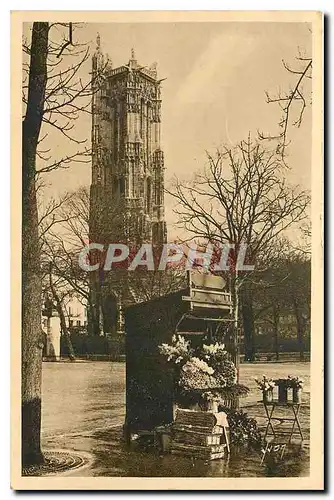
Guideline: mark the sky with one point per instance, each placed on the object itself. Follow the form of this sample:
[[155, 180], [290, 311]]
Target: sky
[[214, 92]]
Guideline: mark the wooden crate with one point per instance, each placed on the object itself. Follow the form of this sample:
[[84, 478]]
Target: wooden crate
[[202, 452], [183, 435], [194, 418], [200, 434]]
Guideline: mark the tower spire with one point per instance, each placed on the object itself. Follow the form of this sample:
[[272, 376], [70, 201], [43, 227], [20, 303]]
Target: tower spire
[[98, 42]]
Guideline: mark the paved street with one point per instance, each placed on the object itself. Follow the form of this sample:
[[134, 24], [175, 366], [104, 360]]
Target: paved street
[[84, 409]]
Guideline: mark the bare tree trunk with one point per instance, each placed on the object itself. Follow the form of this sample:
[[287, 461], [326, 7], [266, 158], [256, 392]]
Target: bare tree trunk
[[234, 289], [32, 344], [93, 320], [63, 326], [276, 327], [248, 323], [236, 331], [66, 333], [300, 329], [90, 318]]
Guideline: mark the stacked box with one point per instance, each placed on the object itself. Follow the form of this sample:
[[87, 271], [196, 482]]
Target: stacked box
[[200, 434]]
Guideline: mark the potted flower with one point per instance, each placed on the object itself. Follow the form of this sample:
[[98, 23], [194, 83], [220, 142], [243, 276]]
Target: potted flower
[[296, 384], [266, 385], [212, 401], [283, 385]]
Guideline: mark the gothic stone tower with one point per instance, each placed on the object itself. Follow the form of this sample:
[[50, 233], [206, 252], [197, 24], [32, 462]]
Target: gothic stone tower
[[127, 190]]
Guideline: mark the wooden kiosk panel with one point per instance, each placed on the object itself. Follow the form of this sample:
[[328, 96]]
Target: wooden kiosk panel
[[149, 377]]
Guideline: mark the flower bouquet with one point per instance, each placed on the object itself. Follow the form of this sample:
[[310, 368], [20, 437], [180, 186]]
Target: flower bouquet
[[204, 375], [296, 384], [266, 385]]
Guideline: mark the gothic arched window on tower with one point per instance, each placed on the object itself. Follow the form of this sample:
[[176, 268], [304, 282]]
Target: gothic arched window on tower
[[155, 233], [158, 194], [131, 180], [142, 120], [157, 189], [148, 133], [148, 195], [115, 187], [122, 186]]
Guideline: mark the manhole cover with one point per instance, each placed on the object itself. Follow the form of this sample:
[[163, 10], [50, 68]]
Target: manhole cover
[[56, 462]]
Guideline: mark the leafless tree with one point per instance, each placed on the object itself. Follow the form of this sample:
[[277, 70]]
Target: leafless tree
[[284, 291], [240, 197], [68, 94], [65, 232], [148, 285], [59, 293], [292, 102], [54, 95]]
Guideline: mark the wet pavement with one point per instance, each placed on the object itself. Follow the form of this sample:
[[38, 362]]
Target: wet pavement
[[84, 409]]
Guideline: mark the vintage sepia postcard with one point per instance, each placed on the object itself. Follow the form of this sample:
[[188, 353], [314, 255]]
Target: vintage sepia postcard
[[167, 225]]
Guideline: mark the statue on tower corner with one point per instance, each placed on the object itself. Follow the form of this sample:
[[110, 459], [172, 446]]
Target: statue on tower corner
[[133, 60]]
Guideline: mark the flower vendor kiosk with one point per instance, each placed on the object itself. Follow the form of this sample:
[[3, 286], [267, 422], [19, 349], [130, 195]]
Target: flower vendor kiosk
[[198, 314]]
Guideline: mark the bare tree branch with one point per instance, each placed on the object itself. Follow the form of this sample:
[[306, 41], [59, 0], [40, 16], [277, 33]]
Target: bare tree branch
[[294, 99]]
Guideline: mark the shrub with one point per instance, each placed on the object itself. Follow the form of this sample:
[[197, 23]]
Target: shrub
[[244, 430]]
